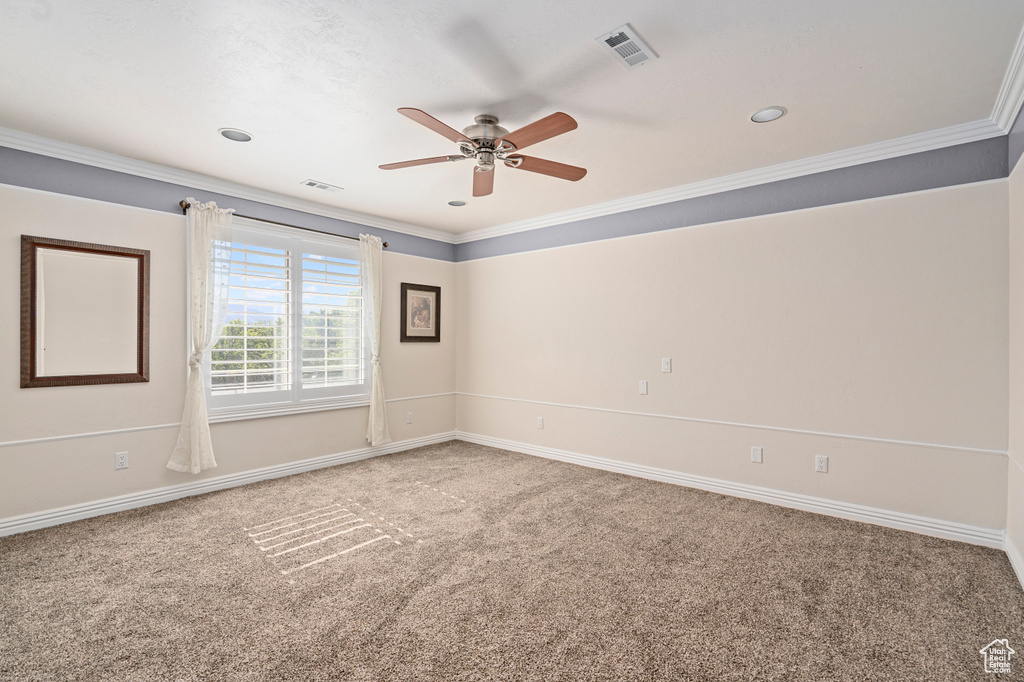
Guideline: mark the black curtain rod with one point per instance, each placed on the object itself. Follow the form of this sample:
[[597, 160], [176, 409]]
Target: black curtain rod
[[185, 206]]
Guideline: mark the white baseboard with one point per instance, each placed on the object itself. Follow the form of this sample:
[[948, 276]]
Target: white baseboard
[[53, 517], [1016, 560], [988, 537]]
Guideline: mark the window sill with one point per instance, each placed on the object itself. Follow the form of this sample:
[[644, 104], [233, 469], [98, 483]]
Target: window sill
[[234, 414]]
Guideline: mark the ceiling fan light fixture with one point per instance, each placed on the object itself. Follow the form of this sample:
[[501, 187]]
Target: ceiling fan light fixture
[[768, 114], [235, 135]]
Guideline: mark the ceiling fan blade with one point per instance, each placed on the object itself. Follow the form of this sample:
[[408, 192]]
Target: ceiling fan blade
[[545, 167], [541, 130], [423, 118], [420, 162], [483, 182]]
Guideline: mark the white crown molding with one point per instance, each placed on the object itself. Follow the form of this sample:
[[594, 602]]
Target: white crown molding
[[93, 157], [1011, 93], [53, 517], [1016, 560], [944, 137], [974, 131], [951, 530]]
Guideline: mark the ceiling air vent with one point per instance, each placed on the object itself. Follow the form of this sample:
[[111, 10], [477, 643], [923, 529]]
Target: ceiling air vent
[[316, 184], [627, 47]]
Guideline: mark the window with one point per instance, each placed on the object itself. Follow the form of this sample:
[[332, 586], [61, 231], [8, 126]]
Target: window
[[295, 333]]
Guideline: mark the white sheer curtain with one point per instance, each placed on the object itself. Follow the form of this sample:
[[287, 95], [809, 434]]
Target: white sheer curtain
[[209, 245], [370, 249]]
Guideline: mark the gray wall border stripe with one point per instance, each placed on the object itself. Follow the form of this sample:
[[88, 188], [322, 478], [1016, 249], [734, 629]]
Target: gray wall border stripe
[[949, 166], [1015, 141], [956, 165], [37, 171]]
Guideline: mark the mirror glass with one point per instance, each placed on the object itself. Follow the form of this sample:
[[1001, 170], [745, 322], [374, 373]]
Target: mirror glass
[[88, 313]]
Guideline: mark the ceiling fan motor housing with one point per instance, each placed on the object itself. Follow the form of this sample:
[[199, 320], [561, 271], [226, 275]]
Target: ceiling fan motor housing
[[486, 131]]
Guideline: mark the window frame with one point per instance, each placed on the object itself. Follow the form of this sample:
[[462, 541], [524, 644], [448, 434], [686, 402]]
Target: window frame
[[295, 399]]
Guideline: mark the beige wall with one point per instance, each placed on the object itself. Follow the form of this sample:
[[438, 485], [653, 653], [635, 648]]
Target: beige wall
[[45, 475], [883, 319], [1015, 479]]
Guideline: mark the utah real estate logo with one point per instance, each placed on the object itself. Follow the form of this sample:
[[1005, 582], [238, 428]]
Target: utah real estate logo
[[997, 656]]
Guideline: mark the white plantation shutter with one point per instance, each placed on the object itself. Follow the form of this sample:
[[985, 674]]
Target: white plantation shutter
[[296, 328], [333, 325], [254, 350]]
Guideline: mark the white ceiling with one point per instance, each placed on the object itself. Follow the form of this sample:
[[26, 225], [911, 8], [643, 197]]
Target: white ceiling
[[318, 83]]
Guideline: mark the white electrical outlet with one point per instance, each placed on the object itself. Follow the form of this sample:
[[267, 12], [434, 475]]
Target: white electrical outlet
[[821, 463], [408, 417], [120, 460], [643, 388], [540, 422], [756, 455], [666, 365]]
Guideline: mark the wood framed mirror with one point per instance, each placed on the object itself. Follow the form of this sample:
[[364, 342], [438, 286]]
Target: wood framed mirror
[[84, 313]]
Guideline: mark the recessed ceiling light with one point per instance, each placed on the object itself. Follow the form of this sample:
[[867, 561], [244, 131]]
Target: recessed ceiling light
[[235, 135], [456, 203], [768, 114]]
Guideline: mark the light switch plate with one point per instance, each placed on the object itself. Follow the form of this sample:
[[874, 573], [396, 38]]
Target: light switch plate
[[756, 455], [666, 365], [643, 388]]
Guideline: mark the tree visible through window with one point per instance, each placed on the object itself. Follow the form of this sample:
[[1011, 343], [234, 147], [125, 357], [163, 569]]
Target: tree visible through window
[[248, 357]]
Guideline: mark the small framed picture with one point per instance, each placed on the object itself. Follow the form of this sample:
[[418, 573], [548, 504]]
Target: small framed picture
[[421, 312]]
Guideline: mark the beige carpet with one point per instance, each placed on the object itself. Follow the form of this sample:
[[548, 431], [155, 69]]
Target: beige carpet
[[509, 567]]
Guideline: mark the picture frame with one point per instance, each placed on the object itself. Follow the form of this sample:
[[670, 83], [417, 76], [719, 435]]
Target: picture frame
[[84, 313], [421, 313]]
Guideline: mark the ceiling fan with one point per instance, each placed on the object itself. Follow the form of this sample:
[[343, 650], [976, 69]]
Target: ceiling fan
[[488, 143]]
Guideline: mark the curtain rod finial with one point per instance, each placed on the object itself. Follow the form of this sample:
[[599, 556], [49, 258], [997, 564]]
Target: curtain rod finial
[[184, 206]]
